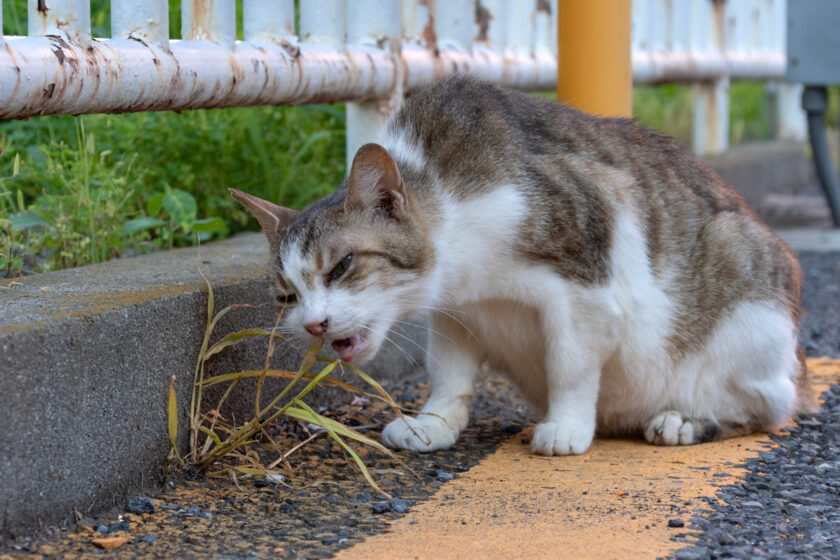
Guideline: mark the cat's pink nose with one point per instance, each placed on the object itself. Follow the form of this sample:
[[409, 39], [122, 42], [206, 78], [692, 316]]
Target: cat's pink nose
[[317, 328]]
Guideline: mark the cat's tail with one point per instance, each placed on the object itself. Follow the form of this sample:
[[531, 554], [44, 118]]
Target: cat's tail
[[806, 400]]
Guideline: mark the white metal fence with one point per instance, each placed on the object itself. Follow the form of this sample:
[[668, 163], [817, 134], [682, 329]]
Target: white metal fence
[[368, 53]]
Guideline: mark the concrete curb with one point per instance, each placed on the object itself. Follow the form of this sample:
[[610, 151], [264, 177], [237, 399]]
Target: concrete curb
[[85, 361]]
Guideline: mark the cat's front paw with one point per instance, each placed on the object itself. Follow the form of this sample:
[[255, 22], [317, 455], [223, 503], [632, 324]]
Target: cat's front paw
[[561, 438], [425, 433]]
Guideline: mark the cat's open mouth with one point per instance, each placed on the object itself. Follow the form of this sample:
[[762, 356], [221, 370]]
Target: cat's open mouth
[[349, 348]]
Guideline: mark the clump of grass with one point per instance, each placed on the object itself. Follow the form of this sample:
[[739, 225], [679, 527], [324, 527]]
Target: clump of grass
[[218, 446]]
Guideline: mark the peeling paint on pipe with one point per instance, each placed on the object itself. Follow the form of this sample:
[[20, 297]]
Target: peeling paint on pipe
[[49, 76], [69, 19]]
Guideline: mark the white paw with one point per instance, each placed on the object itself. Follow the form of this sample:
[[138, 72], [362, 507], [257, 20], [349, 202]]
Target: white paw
[[561, 438], [425, 433], [670, 428]]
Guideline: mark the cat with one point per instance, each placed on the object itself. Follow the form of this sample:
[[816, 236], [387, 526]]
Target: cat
[[619, 281]]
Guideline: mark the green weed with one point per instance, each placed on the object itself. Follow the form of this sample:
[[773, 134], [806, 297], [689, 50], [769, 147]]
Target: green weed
[[215, 443]]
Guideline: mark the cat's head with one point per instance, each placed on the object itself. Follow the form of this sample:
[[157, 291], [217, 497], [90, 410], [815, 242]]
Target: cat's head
[[350, 265]]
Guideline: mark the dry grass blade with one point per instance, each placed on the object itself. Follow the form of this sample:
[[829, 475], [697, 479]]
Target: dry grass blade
[[235, 337], [285, 374], [173, 421], [337, 427], [320, 420]]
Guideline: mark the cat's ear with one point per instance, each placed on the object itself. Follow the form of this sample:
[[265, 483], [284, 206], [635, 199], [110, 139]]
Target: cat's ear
[[272, 218], [375, 184]]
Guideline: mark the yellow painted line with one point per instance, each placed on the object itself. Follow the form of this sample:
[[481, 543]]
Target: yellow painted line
[[612, 502]]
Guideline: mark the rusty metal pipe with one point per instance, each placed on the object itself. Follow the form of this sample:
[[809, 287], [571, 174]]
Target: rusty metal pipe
[[49, 76]]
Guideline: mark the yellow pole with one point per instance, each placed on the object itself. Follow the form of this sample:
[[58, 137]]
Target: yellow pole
[[593, 59]]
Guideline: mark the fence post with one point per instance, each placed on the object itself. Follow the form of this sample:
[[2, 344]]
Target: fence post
[[266, 21], [69, 19], [593, 57], [323, 22], [710, 115], [146, 21], [373, 24], [209, 21], [790, 121]]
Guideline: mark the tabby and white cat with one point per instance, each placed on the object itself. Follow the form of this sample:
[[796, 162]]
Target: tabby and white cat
[[619, 281]]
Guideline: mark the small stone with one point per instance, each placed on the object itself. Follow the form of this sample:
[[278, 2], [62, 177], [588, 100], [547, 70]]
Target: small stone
[[195, 511], [823, 467], [123, 526], [101, 529], [694, 553], [726, 539], [442, 475], [676, 523], [109, 543], [140, 504], [752, 504], [399, 506], [405, 396], [380, 507], [148, 538], [170, 507], [511, 427]]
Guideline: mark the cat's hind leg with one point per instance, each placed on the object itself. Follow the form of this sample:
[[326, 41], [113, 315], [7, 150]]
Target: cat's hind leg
[[672, 428], [453, 363], [741, 382]]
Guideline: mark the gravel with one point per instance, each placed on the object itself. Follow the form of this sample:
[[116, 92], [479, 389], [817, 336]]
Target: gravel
[[819, 332], [788, 504]]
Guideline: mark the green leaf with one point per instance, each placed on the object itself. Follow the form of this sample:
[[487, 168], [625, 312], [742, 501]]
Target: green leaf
[[318, 378], [181, 208], [154, 204], [211, 434], [141, 224], [25, 220], [209, 224], [311, 139]]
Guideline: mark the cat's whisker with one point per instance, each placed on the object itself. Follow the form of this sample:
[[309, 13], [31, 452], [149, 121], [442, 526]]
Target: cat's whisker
[[444, 311], [398, 347]]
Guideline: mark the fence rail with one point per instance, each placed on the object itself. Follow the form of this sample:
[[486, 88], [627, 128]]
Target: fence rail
[[368, 53]]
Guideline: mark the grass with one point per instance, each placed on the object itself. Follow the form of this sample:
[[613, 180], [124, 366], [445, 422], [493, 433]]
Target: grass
[[219, 446], [78, 190], [667, 108]]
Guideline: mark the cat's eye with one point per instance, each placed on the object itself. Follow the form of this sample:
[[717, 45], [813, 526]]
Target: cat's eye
[[339, 269], [286, 299]]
